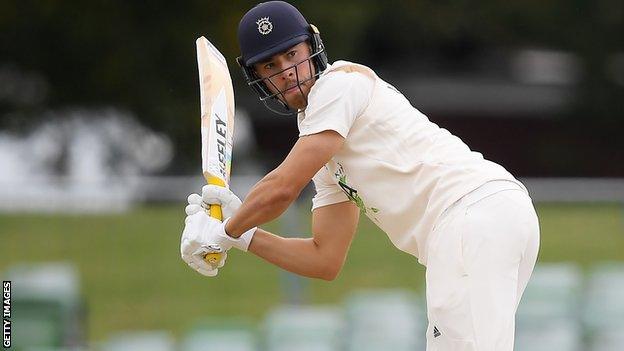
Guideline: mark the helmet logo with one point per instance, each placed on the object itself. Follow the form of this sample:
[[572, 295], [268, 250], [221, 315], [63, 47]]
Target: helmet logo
[[264, 25]]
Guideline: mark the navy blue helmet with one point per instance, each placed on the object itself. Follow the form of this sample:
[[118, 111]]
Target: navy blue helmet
[[269, 29]]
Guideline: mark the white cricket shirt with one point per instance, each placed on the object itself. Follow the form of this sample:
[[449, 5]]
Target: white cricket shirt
[[398, 167]]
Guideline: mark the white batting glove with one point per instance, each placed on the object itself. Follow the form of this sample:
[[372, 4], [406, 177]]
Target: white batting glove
[[202, 235], [195, 204], [214, 195], [198, 240], [218, 195], [230, 204]]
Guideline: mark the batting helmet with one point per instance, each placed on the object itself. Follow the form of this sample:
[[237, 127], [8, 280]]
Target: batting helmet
[[268, 29]]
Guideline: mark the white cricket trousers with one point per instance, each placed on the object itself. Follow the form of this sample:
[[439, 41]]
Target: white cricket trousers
[[481, 255]]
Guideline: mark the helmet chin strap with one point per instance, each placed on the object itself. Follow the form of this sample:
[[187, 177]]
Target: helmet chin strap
[[287, 111]]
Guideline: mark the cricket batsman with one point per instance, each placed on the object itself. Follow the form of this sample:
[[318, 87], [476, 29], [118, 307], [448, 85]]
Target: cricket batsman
[[370, 152]]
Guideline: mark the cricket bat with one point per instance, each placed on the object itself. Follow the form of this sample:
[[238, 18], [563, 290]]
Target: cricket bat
[[217, 124]]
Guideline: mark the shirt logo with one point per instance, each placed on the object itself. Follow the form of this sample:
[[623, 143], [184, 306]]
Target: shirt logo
[[264, 25], [352, 193]]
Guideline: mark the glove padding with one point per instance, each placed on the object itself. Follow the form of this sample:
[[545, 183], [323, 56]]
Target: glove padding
[[195, 204], [214, 195], [232, 203], [203, 234], [218, 195], [198, 239]]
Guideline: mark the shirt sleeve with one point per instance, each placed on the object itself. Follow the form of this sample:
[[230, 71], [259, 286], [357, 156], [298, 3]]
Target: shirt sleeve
[[328, 192], [335, 101]]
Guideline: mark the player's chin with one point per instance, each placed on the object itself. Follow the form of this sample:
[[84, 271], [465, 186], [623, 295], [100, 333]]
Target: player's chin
[[295, 99], [296, 102]]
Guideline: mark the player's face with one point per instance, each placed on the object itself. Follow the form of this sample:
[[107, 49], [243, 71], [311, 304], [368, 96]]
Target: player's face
[[289, 74]]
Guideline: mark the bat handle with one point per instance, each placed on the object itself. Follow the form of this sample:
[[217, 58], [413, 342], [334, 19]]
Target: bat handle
[[214, 211], [213, 258]]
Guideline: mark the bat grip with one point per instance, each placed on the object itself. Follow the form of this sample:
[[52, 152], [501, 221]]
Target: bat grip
[[214, 211]]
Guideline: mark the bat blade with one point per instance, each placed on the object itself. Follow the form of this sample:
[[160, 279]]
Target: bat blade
[[217, 121], [217, 111]]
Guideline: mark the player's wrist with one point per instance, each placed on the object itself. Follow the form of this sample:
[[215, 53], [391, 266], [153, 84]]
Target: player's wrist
[[242, 241], [230, 230]]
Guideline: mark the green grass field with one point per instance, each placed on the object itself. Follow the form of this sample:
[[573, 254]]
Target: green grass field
[[133, 278]]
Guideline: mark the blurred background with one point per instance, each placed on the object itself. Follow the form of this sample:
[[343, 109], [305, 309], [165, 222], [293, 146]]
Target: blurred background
[[99, 147]]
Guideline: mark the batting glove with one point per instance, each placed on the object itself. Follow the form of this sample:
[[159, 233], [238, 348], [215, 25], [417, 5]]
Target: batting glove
[[214, 195], [230, 204], [218, 195], [203, 235], [195, 204], [198, 240]]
